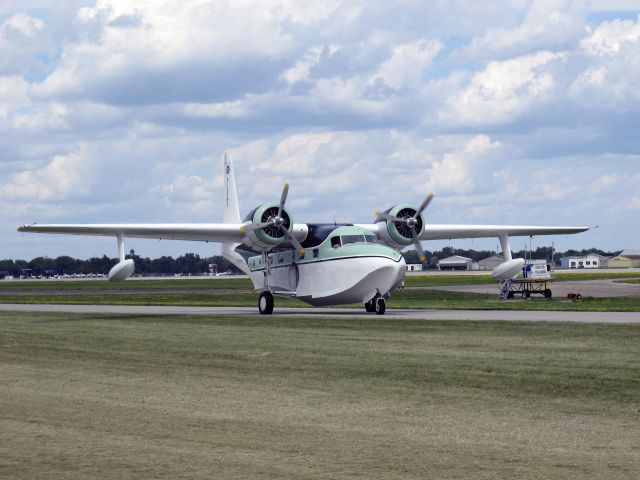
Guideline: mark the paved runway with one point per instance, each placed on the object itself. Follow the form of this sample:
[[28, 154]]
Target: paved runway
[[407, 314]]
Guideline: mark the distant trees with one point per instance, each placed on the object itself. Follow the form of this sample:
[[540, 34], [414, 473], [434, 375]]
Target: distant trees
[[192, 263], [189, 263]]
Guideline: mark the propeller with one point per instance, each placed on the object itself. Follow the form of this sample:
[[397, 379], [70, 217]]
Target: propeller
[[411, 223], [278, 222]]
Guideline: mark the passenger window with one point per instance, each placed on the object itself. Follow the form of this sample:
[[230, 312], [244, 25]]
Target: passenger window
[[335, 242]]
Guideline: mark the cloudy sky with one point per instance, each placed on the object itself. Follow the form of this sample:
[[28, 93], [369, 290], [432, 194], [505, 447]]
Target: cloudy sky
[[513, 111]]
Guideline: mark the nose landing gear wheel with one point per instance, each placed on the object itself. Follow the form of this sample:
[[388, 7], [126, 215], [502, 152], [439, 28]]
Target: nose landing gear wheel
[[381, 306], [265, 303]]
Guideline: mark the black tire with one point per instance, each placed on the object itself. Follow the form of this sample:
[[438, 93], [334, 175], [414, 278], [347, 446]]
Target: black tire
[[526, 293], [548, 293], [381, 306], [510, 295], [369, 306], [265, 303]]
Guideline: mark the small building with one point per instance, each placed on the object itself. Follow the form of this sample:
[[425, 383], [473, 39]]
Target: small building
[[490, 263], [586, 261], [627, 259], [619, 262], [633, 255], [603, 261], [455, 263], [4, 274], [414, 267]]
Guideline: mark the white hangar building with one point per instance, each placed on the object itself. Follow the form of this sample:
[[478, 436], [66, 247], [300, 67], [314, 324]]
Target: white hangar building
[[455, 263]]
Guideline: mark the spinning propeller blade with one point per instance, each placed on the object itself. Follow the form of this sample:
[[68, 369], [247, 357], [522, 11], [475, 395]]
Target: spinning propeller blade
[[418, 245], [416, 241], [424, 205], [283, 198], [292, 240], [255, 226], [386, 216]]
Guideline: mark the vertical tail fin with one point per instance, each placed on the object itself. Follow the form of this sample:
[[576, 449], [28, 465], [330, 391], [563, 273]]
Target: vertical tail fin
[[230, 212]]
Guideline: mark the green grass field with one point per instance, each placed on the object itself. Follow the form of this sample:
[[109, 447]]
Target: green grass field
[[106, 396]]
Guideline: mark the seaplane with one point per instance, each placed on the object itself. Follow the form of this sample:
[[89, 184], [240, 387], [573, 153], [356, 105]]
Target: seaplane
[[320, 264]]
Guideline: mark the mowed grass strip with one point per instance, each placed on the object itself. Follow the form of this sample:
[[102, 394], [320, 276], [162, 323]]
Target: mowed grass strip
[[106, 396], [215, 283]]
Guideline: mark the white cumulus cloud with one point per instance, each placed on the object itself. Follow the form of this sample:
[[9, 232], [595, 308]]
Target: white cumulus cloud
[[503, 90]]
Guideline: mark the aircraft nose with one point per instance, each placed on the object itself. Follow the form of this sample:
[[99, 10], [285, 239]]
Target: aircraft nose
[[401, 270], [393, 273]]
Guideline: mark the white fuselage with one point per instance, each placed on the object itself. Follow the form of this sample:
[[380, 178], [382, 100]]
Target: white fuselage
[[335, 281]]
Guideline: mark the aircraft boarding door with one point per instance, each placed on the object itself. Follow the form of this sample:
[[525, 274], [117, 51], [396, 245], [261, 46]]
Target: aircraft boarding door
[[284, 275]]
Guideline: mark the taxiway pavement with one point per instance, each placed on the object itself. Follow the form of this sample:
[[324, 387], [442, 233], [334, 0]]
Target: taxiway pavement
[[401, 313]]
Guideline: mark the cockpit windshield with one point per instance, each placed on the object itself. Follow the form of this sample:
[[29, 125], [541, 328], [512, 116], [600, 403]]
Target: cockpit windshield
[[359, 239], [352, 239]]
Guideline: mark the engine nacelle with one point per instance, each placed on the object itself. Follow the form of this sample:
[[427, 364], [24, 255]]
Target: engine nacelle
[[268, 237], [398, 234], [122, 270], [509, 269]]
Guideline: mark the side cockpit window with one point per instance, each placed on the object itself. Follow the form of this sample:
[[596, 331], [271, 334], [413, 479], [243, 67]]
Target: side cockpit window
[[335, 242], [371, 238], [352, 239]]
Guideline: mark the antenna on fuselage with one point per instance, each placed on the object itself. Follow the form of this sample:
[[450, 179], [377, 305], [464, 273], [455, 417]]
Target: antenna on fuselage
[[334, 219]]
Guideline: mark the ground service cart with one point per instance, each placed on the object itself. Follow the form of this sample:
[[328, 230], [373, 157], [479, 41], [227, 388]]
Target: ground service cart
[[535, 277]]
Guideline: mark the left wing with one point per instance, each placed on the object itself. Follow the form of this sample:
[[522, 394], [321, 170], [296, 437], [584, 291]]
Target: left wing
[[202, 232]]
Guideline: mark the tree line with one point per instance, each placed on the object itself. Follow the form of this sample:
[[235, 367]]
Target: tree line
[[193, 264], [187, 264]]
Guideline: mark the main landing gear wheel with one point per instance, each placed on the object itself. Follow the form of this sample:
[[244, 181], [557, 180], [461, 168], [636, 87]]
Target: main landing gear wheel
[[265, 303], [369, 306], [381, 306]]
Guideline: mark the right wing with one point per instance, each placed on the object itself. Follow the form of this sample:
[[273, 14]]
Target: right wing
[[202, 232], [446, 232]]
